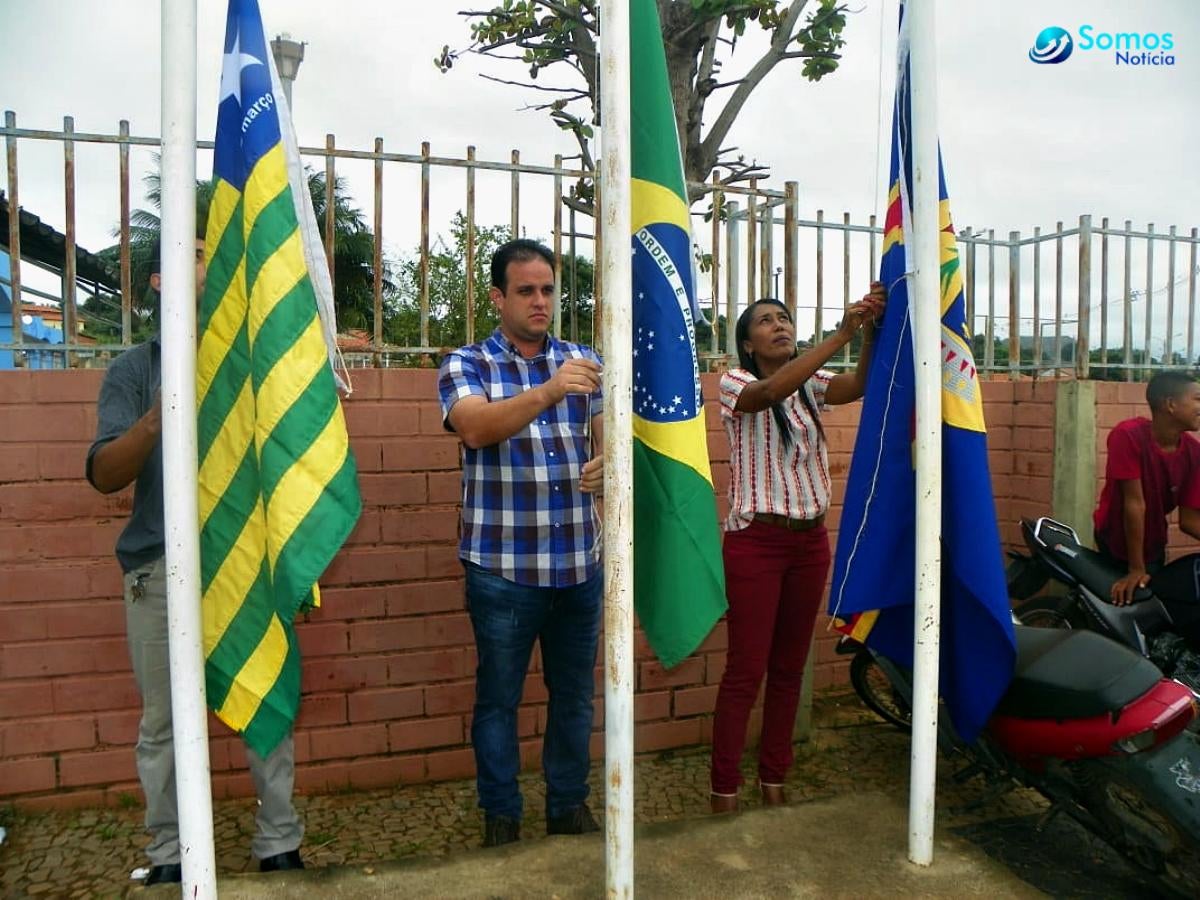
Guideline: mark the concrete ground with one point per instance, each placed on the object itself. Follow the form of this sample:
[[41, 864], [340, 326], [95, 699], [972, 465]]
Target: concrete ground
[[845, 835]]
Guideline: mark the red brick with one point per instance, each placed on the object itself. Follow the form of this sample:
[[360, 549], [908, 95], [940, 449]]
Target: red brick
[[43, 736], [341, 673], [59, 800], [448, 631], [653, 675], [421, 734], [232, 785], [44, 582], [325, 639], [393, 634], [23, 623], [67, 385], [32, 423], [321, 709], [16, 385], [363, 774], [351, 603], [647, 707], [535, 691], [91, 619], [449, 698], [426, 597], [349, 741], [421, 454], [368, 454], [46, 658], [431, 421], [26, 776], [96, 767], [20, 699], [449, 765], [386, 703], [375, 419], [663, 735], [392, 489], [718, 639], [443, 562], [64, 462], [95, 692], [714, 667], [366, 530], [358, 566], [18, 462], [118, 728], [408, 384], [419, 526], [695, 701], [416, 668], [445, 487]]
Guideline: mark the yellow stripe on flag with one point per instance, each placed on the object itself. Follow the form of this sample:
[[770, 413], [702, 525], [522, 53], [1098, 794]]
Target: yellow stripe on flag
[[236, 575], [278, 275], [685, 442], [653, 203], [222, 330], [304, 483], [265, 183], [289, 378], [256, 677], [228, 449]]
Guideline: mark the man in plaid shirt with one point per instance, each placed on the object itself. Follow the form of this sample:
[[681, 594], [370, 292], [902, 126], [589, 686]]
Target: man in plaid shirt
[[528, 409]]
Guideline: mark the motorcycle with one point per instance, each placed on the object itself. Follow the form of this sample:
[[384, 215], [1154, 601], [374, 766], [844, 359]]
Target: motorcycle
[[1160, 623], [1092, 726]]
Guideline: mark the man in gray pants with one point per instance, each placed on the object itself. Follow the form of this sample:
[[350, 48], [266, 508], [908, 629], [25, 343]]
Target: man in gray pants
[[127, 448]]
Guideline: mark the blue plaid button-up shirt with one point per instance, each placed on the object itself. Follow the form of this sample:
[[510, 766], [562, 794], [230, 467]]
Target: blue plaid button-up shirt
[[524, 517]]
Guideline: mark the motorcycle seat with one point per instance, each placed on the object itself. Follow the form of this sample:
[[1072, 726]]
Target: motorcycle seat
[[1091, 570], [1063, 674]]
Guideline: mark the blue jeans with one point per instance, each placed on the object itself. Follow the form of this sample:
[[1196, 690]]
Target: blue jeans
[[507, 618]]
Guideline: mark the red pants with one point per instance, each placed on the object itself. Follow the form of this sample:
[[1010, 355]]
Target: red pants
[[774, 579]]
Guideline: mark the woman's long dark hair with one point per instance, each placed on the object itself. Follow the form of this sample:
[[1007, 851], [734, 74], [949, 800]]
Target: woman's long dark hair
[[746, 361]]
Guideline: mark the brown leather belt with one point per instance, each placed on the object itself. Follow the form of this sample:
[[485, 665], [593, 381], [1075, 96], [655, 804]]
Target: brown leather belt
[[789, 523]]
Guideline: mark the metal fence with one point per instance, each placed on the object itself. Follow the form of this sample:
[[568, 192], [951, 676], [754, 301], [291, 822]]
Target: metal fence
[[1085, 300]]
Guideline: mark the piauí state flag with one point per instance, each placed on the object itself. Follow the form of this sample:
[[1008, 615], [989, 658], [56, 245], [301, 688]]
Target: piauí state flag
[[874, 568], [278, 486], [679, 583]]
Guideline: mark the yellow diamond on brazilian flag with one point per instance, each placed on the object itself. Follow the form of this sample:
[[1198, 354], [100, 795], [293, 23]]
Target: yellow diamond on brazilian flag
[[679, 584], [278, 486]]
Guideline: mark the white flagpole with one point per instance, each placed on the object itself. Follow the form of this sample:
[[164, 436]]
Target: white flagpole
[[616, 279], [178, 316], [927, 327]]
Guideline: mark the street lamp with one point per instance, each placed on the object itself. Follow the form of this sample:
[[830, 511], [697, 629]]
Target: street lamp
[[288, 55], [778, 272]]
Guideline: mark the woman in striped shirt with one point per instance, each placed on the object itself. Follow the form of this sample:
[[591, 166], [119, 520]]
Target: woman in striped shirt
[[776, 550]]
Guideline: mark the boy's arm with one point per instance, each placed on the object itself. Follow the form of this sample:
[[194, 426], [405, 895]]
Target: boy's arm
[[1134, 523]]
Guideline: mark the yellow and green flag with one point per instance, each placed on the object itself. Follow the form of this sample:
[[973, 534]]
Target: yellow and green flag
[[278, 485], [679, 583]]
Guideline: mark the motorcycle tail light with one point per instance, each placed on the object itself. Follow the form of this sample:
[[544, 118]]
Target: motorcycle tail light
[[1136, 743]]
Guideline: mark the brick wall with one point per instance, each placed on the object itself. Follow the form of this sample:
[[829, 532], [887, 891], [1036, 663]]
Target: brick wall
[[388, 659]]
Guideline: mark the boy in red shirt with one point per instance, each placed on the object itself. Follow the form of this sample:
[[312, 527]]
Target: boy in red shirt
[[1153, 466]]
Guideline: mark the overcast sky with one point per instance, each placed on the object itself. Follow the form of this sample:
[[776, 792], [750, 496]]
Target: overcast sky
[[1024, 145]]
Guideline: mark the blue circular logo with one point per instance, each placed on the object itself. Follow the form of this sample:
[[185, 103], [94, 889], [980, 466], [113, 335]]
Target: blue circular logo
[[1053, 45]]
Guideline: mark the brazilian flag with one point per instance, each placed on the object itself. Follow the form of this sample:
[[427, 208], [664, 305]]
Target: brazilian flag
[[278, 486], [679, 583]]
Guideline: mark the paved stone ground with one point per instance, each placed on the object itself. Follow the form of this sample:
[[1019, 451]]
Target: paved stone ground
[[90, 853]]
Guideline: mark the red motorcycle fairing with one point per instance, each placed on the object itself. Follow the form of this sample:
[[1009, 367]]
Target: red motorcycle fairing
[[1156, 716]]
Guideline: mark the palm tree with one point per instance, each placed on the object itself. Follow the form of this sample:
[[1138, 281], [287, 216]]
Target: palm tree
[[353, 248]]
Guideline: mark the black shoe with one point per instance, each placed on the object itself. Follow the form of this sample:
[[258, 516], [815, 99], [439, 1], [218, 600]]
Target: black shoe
[[576, 821], [499, 830], [281, 862], [171, 873]]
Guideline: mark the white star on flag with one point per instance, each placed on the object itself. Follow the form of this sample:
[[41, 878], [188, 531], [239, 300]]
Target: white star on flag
[[231, 71]]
